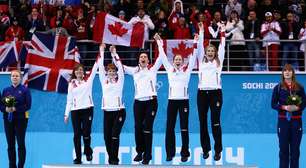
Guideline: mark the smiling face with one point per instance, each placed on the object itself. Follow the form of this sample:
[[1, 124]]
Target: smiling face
[[178, 61], [210, 53], [15, 77], [111, 71], [79, 73], [143, 60]]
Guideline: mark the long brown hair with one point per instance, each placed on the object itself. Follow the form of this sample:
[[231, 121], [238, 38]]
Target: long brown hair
[[76, 67], [295, 85], [216, 57]]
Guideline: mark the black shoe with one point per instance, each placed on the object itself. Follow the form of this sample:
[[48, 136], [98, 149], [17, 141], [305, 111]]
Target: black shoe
[[77, 161], [184, 158], [145, 162], [138, 157], [206, 155], [89, 157], [169, 158], [217, 156], [113, 162]]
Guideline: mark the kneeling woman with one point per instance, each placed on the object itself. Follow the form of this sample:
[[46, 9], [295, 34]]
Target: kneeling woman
[[80, 103], [114, 110]]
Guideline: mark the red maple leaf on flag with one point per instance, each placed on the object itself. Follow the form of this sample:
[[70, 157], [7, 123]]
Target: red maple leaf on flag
[[117, 29], [182, 50]]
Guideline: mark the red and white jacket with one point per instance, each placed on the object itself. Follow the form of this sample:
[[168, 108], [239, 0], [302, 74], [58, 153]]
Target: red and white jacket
[[270, 32], [111, 90], [80, 92], [144, 80], [210, 72], [178, 78]]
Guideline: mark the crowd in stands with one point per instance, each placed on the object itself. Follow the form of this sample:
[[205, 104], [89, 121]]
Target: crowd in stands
[[244, 19]]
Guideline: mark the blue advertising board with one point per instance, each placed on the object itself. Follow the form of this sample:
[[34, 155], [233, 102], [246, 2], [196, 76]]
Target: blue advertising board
[[247, 120]]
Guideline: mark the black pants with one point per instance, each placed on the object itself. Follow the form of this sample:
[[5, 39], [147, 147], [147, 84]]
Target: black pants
[[174, 106], [144, 115], [81, 122], [210, 99], [16, 129], [113, 123], [289, 135]]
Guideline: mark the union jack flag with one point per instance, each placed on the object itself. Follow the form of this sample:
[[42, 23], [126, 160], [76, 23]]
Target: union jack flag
[[49, 62], [8, 54]]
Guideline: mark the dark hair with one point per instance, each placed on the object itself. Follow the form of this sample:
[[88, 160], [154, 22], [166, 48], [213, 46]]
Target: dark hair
[[76, 67], [295, 84]]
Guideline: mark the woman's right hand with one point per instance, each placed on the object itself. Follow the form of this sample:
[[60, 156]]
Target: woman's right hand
[[158, 39], [112, 49], [66, 118]]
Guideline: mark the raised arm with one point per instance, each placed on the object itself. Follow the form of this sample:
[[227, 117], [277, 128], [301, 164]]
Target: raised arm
[[157, 64], [101, 63], [201, 51], [193, 57], [162, 53], [118, 63], [221, 48]]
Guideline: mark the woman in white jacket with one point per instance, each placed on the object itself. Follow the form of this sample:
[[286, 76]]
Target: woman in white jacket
[[145, 105], [178, 99], [80, 104], [237, 45], [112, 81], [210, 92]]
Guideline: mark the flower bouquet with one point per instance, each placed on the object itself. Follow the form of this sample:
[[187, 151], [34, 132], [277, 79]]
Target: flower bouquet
[[294, 100]]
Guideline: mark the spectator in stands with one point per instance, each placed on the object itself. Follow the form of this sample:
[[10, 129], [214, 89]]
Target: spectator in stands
[[91, 18], [59, 16], [181, 31], [80, 27], [126, 6], [235, 27], [302, 37], [214, 28], [252, 32], [290, 31], [289, 125], [121, 15], [277, 15], [251, 5], [197, 17], [23, 9], [58, 30], [34, 23], [233, 5], [175, 14], [265, 6], [161, 25], [270, 32], [145, 19], [4, 24], [14, 32], [296, 9], [212, 7], [152, 7]]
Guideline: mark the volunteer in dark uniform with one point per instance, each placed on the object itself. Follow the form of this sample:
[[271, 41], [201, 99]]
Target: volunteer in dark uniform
[[16, 119], [290, 129]]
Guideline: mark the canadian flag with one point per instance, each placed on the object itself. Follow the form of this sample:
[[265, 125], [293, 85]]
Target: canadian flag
[[177, 47], [111, 30]]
